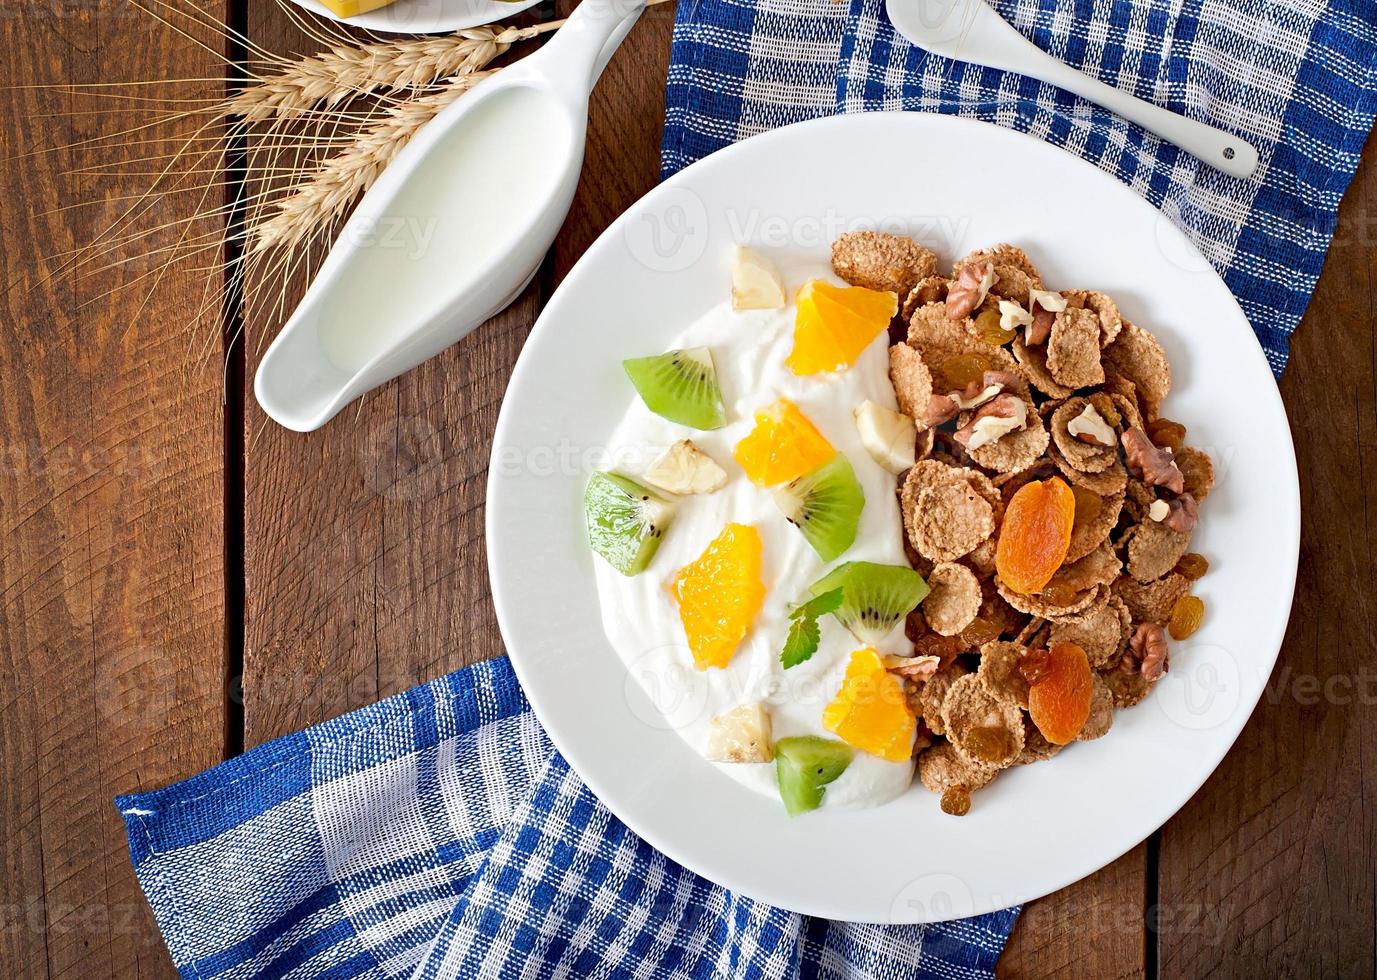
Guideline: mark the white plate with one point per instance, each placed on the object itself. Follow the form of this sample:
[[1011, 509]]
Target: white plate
[[956, 185], [425, 16]]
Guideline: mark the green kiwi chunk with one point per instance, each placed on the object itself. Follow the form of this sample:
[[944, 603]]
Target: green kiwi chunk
[[625, 521], [875, 598], [680, 385], [826, 506], [804, 766]]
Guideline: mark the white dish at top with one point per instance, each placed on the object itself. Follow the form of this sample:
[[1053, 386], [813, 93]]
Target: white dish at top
[[954, 185], [425, 16]]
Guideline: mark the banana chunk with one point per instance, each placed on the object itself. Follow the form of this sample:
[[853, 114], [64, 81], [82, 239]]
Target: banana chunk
[[755, 282], [742, 734], [888, 436], [686, 469]]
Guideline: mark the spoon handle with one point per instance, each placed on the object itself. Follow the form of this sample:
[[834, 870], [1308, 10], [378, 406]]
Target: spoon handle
[[1221, 150]]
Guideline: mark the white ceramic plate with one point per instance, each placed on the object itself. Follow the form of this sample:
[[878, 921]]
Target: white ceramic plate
[[955, 185], [425, 16]]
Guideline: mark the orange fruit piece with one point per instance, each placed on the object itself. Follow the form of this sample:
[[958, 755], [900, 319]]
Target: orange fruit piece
[[1059, 701], [1035, 534], [835, 323], [870, 711], [783, 446], [719, 594]]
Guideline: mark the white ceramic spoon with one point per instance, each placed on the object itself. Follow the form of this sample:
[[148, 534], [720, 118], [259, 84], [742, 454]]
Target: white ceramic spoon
[[969, 30], [451, 232]]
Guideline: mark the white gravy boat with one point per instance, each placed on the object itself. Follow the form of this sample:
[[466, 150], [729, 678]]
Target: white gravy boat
[[451, 232]]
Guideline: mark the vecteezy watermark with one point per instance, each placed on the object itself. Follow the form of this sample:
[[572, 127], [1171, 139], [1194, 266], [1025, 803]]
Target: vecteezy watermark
[[411, 234], [673, 234]]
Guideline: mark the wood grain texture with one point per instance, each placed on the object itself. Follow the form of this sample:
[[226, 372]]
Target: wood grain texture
[[365, 568], [1094, 928], [111, 505], [1270, 869]]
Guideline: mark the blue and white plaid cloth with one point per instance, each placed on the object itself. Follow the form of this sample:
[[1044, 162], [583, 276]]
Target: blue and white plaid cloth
[[437, 834], [1297, 78]]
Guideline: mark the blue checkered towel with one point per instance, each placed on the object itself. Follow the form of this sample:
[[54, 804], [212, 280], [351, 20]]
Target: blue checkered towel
[[1297, 78], [437, 834]]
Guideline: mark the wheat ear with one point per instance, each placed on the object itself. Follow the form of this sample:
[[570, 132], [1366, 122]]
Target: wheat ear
[[323, 196], [343, 72]]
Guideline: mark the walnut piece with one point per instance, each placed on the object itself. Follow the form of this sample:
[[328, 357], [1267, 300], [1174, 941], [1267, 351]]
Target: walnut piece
[[1183, 514], [1149, 649], [1044, 307], [993, 420], [1151, 464], [1090, 427], [969, 291], [1012, 315]]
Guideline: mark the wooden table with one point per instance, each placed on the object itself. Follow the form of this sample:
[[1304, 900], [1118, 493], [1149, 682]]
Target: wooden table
[[163, 549]]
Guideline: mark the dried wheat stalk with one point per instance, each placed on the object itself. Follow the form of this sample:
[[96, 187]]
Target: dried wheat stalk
[[324, 195], [343, 72]]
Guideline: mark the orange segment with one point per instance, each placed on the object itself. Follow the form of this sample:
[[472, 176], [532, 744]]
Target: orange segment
[[870, 711], [783, 446], [834, 324], [719, 594]]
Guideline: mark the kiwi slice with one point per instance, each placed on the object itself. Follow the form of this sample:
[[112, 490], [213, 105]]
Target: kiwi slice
[[680, 385], [875, 597], [625, 521], [825, 505], [804, 766]]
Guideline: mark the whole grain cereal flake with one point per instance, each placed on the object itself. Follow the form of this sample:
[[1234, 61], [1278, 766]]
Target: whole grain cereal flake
[[933, 289], [1127, 685], [983, 729], [882, 261], [1091, 533], [1154, 549], [954, 599], [1036, 748], [1103, 634], [1101, 711], [1138, 356], [941, 768], [1197, 469], [1033, 362], [1151, 602], [946, 515], [1017, 450], [1104, 308], [999, 672], [933, 694], [1073, 349], [912, 382]]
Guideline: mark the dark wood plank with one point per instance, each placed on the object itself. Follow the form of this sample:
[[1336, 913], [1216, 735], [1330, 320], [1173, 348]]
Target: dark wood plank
[[1094, 928], [112, 630], [365, 564], [1269, 870]]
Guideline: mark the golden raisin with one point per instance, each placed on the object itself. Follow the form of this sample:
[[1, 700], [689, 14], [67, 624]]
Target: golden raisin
[[955, 373], [989, 743], [989, 329], [1186, 616], [944, 648], [1088, 506], [1167, 434], [979, 632], [1033, 664], [956, 801], [1193, 565], [1107, 409], [1059, 593]]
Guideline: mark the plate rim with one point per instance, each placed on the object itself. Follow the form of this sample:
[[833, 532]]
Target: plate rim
[[1288, 487], [382, 22]]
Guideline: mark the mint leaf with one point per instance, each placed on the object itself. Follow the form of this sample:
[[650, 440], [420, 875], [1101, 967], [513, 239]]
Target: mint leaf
[[819, 605], [804, 632], [801, 643]]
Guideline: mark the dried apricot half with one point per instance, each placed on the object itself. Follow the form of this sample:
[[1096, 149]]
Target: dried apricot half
[[1059, 700], [1035, 535]]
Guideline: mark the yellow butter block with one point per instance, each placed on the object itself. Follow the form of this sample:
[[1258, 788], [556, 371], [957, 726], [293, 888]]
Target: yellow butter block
[[352, 8]]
